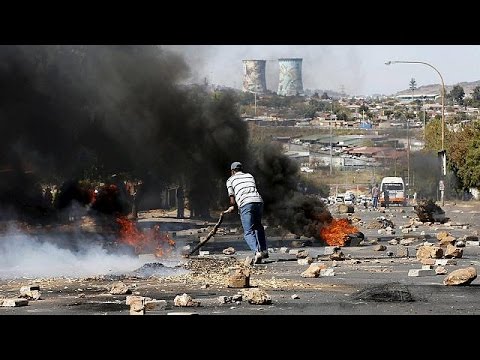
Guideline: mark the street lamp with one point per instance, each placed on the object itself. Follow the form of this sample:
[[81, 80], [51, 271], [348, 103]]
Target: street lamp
[[443, 91], [443, 152]]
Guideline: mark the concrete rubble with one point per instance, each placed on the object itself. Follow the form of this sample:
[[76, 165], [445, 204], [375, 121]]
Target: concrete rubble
[[30, 292]]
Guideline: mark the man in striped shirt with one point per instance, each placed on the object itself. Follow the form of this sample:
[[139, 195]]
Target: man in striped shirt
[[243, 193]]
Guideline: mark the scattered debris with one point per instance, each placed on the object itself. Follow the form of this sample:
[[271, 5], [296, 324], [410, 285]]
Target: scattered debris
[[306, 261], [380, 223], [302, 254]]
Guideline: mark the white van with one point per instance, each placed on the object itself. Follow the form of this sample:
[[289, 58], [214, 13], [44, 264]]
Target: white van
[[396, 191]]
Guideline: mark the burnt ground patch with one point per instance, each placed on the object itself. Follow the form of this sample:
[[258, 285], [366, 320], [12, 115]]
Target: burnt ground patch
[[391, 292]]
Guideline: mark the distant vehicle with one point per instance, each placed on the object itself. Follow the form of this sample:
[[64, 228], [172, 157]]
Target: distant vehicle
[[396, 191], [349, 198]]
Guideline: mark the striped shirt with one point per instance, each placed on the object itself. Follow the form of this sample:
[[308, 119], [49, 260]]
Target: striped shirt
[[242, 186]]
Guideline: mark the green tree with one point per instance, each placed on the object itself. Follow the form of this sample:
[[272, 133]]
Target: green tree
[[476, 94], [460, 147], [433, 135], [413, 86], [325, 96], [470, 171], [457, 94], [474, 100]]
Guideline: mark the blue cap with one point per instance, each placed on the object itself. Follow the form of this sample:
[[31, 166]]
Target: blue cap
[[236, 165]]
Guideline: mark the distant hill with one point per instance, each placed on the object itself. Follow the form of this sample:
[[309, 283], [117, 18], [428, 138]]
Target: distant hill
[[435, 88]]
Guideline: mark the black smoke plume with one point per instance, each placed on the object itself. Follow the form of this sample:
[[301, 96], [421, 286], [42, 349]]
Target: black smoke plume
[[285, 205], [69, 111]]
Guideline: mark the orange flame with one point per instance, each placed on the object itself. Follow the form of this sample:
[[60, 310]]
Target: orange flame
[[150, 241], [336, 232]]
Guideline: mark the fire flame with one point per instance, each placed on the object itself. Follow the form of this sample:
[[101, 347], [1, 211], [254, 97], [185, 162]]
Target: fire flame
[[335, 233], [151, 241]]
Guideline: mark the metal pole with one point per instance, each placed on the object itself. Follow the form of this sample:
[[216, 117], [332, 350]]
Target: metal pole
[[330, 122], [408, 154], [424, 121]]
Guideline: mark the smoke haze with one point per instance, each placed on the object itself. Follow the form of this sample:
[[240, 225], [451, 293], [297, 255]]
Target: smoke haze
[[22, 255]]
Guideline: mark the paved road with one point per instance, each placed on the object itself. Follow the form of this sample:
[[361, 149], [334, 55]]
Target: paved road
[[376, 284]]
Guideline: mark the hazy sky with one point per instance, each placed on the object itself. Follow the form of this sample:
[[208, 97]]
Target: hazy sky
[[359, 69]]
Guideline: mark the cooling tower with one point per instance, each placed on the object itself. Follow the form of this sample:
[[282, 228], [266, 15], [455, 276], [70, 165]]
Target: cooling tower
[[290, 77], [254, 76]]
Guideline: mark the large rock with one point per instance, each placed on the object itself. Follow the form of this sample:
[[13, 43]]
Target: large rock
[[453, 252], [30, 292], [120, 288], [185, 300], [445, 238], [256, 296], [441, 235], [461, 276], [429, 252], [313, 270], [239, 279]]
